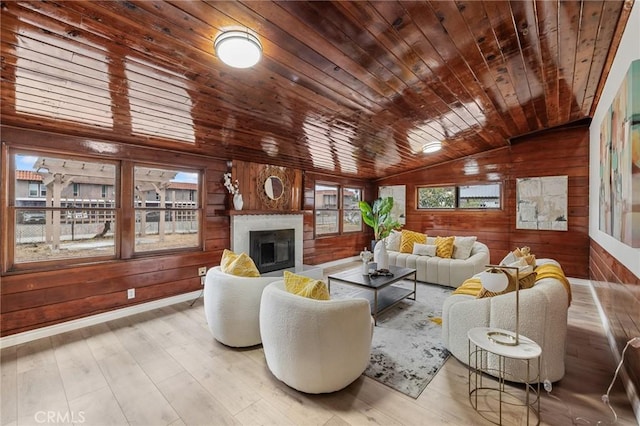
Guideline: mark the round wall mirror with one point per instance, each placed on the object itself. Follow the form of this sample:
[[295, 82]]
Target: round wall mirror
[[273, 187]]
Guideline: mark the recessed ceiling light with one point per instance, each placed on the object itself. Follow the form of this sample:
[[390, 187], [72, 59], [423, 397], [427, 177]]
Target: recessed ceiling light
[[430, 147], [238, 49]]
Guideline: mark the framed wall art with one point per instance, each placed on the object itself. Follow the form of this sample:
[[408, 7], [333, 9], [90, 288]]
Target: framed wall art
[[619, 195], [541, 203]]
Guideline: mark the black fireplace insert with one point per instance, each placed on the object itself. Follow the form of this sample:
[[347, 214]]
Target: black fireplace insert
[[272, 250]]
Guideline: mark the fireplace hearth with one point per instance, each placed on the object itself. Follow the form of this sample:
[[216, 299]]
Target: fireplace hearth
[[272, 250]]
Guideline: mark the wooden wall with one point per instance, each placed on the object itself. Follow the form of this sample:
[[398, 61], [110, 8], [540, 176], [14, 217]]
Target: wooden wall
[[553, 153], [618, 290], [251, 185], [39, 298], [33, 299]]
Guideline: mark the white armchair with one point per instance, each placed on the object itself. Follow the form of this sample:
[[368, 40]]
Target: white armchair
[[543, 318], [232, 307], [314, 346]]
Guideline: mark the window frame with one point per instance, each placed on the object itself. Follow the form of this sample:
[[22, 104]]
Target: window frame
[[500, 196], [421, 187], [339, 209], [65, 207], [124, 237], [456, 197], [172, 211]]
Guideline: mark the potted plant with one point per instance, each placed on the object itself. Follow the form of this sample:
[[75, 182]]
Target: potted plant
[[378, 216]]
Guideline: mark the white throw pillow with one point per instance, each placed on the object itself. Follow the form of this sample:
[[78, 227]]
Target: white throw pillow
[[424, 249], [462, 247], [508, 259], [522, 266], [392, 242]]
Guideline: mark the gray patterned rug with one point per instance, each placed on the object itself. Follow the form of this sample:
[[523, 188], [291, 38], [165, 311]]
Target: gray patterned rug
[[407, 349]]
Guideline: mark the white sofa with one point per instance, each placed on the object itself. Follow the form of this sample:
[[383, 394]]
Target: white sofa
[[436, 270], [543, 318], [232, 307], [314, 346]]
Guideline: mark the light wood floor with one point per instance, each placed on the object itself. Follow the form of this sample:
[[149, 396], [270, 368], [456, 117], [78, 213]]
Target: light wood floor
[[163, 368]]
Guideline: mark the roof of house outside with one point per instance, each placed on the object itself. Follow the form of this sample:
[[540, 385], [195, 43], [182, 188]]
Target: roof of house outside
[[28, 175]]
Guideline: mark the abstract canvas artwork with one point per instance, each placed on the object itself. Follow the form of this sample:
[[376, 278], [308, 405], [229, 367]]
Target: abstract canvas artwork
[[541, 203], [619, 196], [399, 194]]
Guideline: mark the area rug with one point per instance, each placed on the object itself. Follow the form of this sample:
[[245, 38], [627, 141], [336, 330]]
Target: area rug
[[407, 349]]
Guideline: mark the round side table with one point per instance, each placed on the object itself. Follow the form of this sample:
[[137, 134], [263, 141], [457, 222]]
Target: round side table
[[485, 391]]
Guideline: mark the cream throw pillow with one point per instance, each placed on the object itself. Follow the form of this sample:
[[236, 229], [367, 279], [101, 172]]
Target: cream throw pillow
[[424, 249], [305, 286], [462, 247], [392, 242], [240, 265], [409, 238]]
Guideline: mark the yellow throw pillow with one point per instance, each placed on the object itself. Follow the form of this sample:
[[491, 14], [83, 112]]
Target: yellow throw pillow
[[240, 265], [511, 286], [305, 286], [444, 247], [408, 238], [470, 287]]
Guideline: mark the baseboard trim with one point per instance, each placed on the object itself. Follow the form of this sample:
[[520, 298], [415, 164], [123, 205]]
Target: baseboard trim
[[338, 262], [28, 336], [629, 387]]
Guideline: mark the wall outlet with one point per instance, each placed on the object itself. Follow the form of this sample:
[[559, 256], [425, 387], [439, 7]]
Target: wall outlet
[[202, 271], [131, 293]]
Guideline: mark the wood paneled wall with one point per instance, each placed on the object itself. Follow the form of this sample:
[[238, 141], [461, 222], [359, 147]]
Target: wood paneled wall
[[35, 299], [553, 153], [328, 248], [250, 184], [618, 290]]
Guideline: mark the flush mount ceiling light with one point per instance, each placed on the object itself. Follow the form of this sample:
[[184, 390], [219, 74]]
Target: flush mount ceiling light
[[238, 49], [431, 147]]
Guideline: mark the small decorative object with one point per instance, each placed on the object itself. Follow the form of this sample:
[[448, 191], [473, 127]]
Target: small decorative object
[[380, 255], [365, 256], [233, 189], [496, 280], [237, 201], [382, 273]]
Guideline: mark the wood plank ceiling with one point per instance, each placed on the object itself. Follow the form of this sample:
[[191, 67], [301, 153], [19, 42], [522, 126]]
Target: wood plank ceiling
[[349, 88]]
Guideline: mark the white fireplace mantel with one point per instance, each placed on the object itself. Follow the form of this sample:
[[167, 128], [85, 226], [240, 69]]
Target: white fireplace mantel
[[242, 224]]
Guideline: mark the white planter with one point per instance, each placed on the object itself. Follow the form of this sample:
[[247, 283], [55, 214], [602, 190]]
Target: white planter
[[380, 255], [237, 201]]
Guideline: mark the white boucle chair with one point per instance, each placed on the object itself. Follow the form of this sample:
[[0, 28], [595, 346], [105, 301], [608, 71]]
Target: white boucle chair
[[314, 346], [232, 307], [543, 318]]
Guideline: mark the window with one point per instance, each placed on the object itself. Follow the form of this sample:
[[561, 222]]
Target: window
[[351, 217], [71, 227], [326, 209], [485, 196], [165, 218], [437, 197], [337, 210], [481, 196], [80, 224], [37, 189]]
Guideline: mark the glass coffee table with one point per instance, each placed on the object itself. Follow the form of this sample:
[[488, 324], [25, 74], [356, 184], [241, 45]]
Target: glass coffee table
[[378, 290]]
